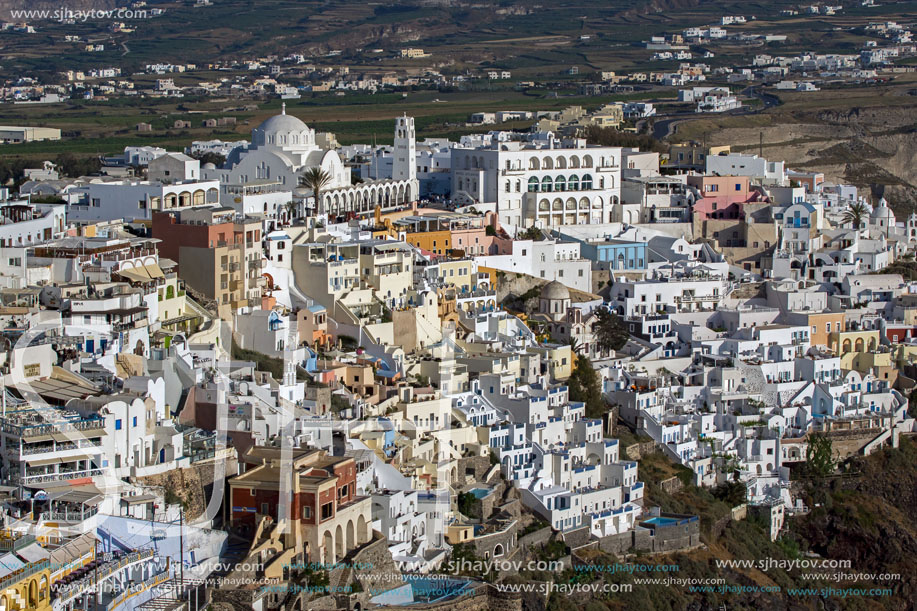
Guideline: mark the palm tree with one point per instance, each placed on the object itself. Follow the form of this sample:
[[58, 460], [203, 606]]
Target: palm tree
[[854, 214], [316, 179], [576, 345]]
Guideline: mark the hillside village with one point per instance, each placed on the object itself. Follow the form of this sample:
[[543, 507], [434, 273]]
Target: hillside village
[[316, 376]]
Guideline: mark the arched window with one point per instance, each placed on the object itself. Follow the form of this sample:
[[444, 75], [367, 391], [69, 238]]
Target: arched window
[[533, 185], [587, 161], [561, 163], [546, 184], [586, 183], [534, 164], [560, 183], [573, 182]]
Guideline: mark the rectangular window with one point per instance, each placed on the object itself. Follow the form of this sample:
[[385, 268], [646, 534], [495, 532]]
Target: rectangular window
[[306, 513], [265, 508], [118, 424], [135, 421], [327, 511]]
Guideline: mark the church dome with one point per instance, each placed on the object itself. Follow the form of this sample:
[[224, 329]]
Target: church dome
[[881, 210], [284, 131], [282, 123], [554, 290]]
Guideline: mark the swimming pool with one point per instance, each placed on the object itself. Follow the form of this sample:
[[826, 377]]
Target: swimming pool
[[659, 521], [480, 493]]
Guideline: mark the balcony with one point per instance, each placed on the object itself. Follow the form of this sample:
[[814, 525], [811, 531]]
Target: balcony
[[68, 516], [35, 450], [80, 426], [66, 475]]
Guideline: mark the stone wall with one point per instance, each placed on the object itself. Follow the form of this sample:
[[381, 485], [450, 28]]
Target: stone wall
[[676, 536], [658, 539], [193, 484], [506, 538], [381, 572], [671, 485], [740, 512], [849, 443], [473, 465], [577, 538], [538, 537], [636, 451]]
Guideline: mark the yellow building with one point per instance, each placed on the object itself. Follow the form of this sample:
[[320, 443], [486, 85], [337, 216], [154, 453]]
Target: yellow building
[[851, 345], [459, 533], [437, 242], [460, 273], [693, 154]]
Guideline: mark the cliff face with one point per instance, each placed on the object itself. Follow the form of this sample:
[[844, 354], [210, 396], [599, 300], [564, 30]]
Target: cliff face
[[865, 515], [869, 519], [871, 146]]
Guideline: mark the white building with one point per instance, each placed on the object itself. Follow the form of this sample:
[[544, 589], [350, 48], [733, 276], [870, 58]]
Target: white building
[[539, 182], [546, 259]]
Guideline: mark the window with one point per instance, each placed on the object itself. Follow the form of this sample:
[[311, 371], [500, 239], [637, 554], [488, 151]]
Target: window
[[265, 508], [738, 186], [134, 423], [118, 424], [827, 327], [306, 513], [327, 511]]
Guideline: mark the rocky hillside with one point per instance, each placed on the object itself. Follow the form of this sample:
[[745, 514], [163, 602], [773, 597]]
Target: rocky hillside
[[866, 515]]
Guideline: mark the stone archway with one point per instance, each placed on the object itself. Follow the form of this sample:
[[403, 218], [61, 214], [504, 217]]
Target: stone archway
[[351, 536], [328, 547]]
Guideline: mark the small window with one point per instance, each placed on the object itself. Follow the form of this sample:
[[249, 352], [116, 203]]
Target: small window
[[118, 424], [134, 422]]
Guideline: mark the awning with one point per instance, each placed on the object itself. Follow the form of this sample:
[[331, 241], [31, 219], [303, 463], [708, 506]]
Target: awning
[[138, 499], [141, 273], [90, 496], [41, 462]]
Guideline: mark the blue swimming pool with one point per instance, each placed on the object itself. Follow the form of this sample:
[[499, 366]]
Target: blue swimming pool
[[480, 493], [659, 521]]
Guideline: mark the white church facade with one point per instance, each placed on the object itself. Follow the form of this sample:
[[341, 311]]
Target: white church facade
[[283, 148]]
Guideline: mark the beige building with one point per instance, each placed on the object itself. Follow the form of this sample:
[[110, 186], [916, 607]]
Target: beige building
[[13, 135], [218, 253]]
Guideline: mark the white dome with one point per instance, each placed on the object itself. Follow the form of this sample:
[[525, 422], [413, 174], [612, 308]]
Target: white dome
[[554, 290], [284, 131], [282, 123]]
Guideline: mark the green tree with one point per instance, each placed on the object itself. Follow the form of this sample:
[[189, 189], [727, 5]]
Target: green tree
[[610, 334], [854, 214], [585, 387], [532, 233], [316, 179], [820, 455]]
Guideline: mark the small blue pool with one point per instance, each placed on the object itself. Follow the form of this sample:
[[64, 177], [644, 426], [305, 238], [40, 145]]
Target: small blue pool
[[427, 590], [480, 493], [659, 521]]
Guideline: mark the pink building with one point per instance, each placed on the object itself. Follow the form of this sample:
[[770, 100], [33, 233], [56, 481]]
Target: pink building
[[722, 197]]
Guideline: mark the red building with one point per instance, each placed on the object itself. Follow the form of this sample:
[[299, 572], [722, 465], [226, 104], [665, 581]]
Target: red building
[[319, 500]]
